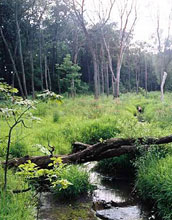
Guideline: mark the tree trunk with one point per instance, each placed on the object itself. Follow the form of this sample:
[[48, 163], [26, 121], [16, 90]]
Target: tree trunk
[[113, 85], [49, 78], [95, 64], [21, 57], [107, 80], [162, 86], [46, 70], [102, 69], [40, 58], [32, 70], [110, 64], [107, 149], [118, 71], [13, 64], [146, 77]]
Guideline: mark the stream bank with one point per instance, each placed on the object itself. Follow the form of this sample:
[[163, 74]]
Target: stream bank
[[111, 200]]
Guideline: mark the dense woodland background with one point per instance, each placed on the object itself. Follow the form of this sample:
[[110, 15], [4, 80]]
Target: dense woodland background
[[51, 45]]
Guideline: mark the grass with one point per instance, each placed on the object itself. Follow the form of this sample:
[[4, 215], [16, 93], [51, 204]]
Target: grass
[[87, 120], [154, 183], [15, 206], [80, 183]]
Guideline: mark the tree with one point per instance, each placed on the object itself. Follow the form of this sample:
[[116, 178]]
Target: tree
[[79, 12], [163, 46], [14, 115], [70, 76], [126, 9]]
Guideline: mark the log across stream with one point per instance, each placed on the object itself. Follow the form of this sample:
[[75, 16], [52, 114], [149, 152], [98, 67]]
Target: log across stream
[[113, 147], [112, 200]]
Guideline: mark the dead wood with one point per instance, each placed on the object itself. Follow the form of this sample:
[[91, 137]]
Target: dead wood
[[101, 150]]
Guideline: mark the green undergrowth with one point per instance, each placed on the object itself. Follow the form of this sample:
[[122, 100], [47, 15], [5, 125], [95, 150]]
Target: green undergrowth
[[117, 166], [89, 121], [16, 206], [154, 182], [79, 180]]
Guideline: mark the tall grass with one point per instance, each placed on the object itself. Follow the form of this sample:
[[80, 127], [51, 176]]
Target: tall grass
[[154, 183], [15, 206]]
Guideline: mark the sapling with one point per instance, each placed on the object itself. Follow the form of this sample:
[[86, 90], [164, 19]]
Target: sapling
[[14, 114]]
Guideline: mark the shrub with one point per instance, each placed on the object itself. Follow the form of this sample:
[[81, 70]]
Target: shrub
[[18, 149], [79, 180], [113, 165]]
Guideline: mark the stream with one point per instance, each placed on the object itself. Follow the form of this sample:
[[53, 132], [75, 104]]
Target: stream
[[111, 200]]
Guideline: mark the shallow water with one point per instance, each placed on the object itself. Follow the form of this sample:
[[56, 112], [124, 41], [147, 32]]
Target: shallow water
[[112, 200]]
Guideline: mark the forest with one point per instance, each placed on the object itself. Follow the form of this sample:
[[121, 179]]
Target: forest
[[85, 111]]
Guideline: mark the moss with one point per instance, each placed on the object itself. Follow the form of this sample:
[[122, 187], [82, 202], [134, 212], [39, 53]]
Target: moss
[[78, 210]]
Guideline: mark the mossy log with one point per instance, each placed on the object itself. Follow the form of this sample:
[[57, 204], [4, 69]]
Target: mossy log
[[113, 147]]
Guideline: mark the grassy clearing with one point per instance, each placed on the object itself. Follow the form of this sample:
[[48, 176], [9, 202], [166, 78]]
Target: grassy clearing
[[87, 120]]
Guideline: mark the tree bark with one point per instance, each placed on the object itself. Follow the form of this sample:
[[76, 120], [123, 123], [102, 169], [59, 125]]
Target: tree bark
[[40, 57], [107, 80], [32, 70], [113, 147], [146, 76], [46, 73], [162, 86], [21, 57], [13, 63]]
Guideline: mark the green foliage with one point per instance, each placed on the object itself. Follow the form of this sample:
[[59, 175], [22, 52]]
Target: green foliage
[[79, 179], [116, 165], [70, 76], [6, 90], [154, 182], [18, 149], [50, 96], [89, 121], [13, 206], [31, 172]]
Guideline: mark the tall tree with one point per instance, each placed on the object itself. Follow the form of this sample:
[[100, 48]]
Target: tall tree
[[126, 9]]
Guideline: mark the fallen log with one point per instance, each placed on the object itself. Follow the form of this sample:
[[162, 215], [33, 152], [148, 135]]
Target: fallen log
[[101, 150]]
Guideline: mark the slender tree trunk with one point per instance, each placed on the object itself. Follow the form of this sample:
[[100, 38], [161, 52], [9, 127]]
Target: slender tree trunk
[[107, 80], [98, 80], [110, 64], [113, 85], [146, 77], [32, 70], [95, 64], [13, 63], [40, 58], [21, 57], [137, 82], [49, 78], [162, 86], [118, 76], [46, 70], [102, 69]]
